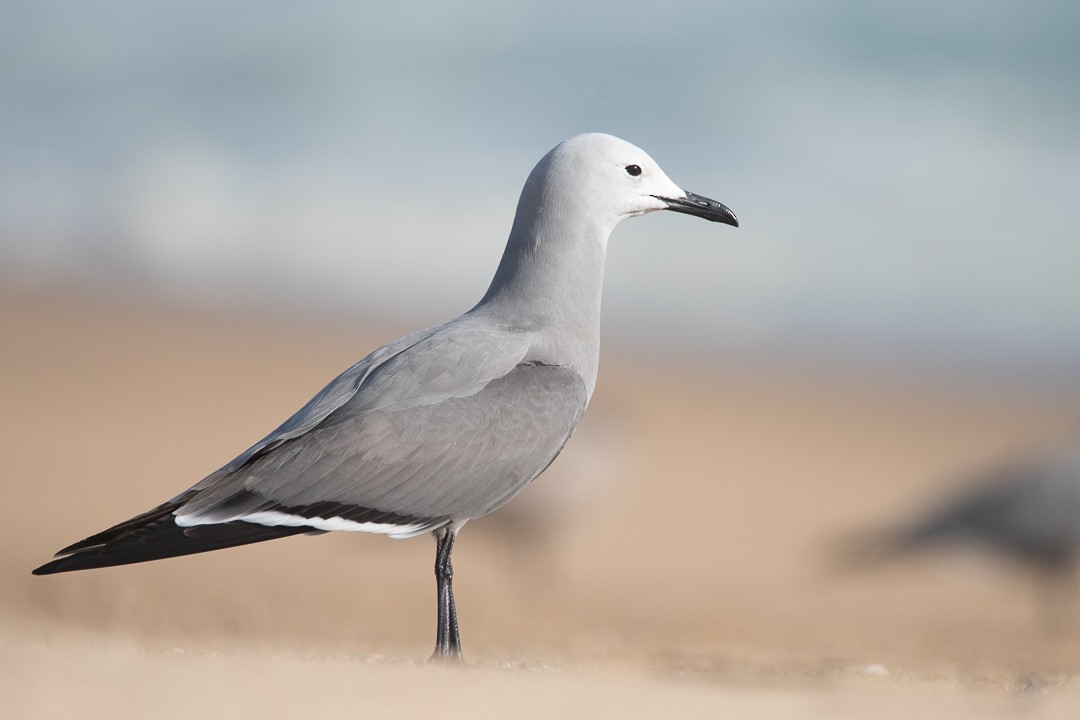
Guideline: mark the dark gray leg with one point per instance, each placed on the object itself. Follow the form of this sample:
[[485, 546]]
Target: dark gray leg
[[447, 638]]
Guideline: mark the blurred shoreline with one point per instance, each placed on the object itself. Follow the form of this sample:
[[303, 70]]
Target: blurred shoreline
[[816, 360]]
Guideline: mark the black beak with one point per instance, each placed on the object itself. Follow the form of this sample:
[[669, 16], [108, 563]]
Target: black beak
[[702, 207]]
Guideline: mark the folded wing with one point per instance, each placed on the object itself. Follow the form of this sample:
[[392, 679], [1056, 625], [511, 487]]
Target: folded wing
[[441, 426]]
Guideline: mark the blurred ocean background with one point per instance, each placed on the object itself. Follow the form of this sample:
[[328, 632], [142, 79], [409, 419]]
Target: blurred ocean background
[[906, 173]]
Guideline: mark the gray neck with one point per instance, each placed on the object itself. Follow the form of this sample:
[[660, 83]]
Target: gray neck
[[550, 279]]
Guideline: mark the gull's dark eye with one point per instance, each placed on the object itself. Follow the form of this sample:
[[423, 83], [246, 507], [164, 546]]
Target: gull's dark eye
[[633, 170]]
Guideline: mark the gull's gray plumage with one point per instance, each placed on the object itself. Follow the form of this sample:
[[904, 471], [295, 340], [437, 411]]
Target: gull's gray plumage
[[410, 423], [428, 464], [449, 423]]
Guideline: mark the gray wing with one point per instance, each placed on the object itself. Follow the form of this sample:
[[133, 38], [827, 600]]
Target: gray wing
[[336, 393], [426, 366], [405, 467], [440, 426]]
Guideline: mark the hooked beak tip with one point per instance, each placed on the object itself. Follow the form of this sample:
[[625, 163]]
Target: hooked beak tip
[[702, 207]]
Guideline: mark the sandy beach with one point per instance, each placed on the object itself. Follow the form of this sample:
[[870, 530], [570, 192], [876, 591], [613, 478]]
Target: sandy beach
[[673, 562]]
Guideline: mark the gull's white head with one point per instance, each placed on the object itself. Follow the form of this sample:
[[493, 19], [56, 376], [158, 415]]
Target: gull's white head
[[608, 180]]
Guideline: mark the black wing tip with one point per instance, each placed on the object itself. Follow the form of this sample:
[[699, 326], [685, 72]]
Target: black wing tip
[[154, 535], [69, 558], [80, 558], [86, 560], [65, 561], [49, 568], [164, 539]]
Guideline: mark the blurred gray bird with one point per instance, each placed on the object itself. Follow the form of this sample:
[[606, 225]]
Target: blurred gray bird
[[1026, 510], [444, 425]]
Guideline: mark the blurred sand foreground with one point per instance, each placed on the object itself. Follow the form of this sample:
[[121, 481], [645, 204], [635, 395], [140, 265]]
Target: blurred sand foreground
[[679, 545]]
